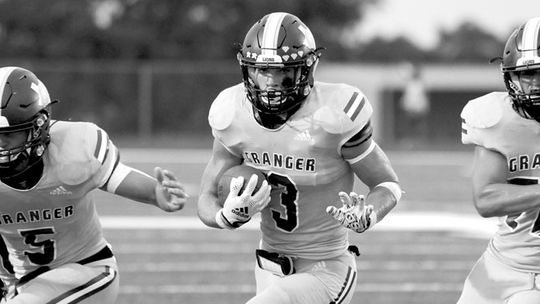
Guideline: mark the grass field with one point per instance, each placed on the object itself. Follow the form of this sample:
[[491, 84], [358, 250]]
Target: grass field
[[420, 253]]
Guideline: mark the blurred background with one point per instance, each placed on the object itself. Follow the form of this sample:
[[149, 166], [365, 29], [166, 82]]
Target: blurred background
[[148, 69]]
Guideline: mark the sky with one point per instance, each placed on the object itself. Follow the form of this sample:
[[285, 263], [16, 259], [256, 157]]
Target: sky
[[421, 20]]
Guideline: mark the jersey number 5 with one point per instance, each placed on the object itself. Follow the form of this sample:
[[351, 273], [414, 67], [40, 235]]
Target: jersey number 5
[[43, 253]]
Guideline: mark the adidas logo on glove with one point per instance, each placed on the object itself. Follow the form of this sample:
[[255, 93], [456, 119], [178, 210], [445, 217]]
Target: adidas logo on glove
[[243, 212]]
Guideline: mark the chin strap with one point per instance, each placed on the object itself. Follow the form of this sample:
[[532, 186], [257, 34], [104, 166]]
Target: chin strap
[[26, 178], [273, 121], [270, 121]]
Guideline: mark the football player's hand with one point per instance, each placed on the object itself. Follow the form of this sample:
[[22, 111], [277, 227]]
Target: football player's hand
[[239, 208], [354, 214], [170, 194]]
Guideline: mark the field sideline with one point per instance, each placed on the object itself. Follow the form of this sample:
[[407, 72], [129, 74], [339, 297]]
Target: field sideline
[[470, 225]]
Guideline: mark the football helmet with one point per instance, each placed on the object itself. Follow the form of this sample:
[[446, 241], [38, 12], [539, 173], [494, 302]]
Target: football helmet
[[24, 106], [521, 68], [281, 49]]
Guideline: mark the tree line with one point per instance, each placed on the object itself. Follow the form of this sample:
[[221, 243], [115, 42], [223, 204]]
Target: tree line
[[202, 30]]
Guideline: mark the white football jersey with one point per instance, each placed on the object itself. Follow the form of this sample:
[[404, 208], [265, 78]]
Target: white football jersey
[[303, 163], [491, 122], [56, 222]]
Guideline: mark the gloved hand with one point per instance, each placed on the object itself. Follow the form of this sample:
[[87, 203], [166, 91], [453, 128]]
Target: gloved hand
[[170, 194], [354, 214], [239, 208]]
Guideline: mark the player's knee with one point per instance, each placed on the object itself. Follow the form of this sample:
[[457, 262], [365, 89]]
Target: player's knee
[[525, 297]]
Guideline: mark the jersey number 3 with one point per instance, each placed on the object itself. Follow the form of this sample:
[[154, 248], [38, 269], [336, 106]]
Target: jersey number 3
[[513, 220], [287, 220]]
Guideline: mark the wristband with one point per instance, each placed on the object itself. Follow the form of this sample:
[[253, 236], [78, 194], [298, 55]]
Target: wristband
[[222, 222], [393, 187], [372, 219]]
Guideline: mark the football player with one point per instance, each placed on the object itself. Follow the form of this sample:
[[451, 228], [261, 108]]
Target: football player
[[310, 138], [52, 247], [505, 129]]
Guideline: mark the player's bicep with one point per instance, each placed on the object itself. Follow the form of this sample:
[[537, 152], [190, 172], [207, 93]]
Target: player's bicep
[[489, 168], [105, 154], [221, 160]]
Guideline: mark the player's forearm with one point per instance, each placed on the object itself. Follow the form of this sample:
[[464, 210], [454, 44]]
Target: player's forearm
[[132, 184], [207, 207], [138, 188], [506, 199], [383, 201]]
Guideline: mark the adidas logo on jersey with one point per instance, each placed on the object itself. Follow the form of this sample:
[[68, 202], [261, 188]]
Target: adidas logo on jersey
[[60, 190], [242, 212], [304, 136]]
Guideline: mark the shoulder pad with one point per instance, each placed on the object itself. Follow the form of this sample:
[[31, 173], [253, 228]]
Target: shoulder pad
[[220, 115], [333, 121], [482, 112], [480, 116], [347, 110], [73, 150]]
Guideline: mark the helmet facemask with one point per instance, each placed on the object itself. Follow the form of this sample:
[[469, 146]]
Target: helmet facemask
[[17, 160], [278, 88], [524, 89]]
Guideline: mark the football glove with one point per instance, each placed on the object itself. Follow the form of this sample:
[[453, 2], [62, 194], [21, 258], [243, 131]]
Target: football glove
[[238, 209], [170, 194], [354, 214]]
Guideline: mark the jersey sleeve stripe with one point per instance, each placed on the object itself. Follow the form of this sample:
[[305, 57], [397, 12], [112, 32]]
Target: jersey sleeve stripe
[[463, 126], [110, 170], [101, 147], [350, 103], [358, 109], [360, 137], [354, 106], [98, 145]]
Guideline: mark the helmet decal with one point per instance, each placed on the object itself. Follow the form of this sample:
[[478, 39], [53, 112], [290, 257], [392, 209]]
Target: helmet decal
[[35, 87], [271, 33], [4, 74], [529, 43], [309, 40]]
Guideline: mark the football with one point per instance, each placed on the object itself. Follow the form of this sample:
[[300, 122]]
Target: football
[[240, 170]]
